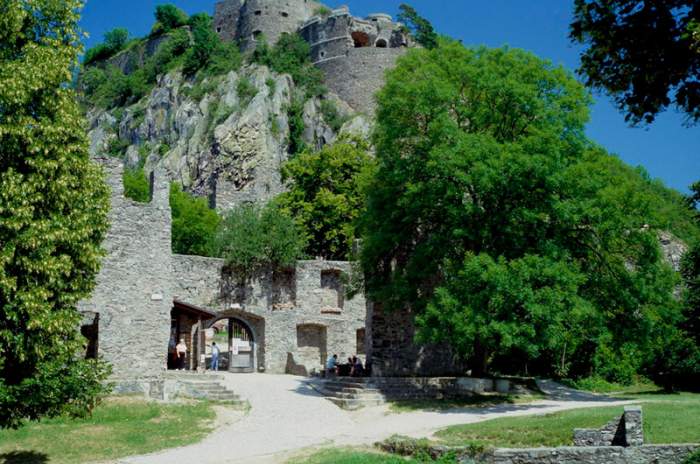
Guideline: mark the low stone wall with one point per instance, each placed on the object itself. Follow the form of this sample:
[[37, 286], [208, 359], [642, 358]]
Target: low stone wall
[[648, 454], [627, 430]]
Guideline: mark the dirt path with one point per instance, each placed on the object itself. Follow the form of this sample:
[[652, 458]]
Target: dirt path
[[287, 415]]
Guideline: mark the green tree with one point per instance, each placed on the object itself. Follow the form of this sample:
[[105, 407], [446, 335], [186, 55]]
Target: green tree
[[194, 223], [253, 239], [170, 17], [114, 42], [53, 216], [421, 28], [485, 182], [205, 43], [326, 195], [641, 53]]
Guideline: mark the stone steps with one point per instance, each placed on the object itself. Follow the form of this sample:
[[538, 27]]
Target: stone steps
[[351, 394], [206, 389]]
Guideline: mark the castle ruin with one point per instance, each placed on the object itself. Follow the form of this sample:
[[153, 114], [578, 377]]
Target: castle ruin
[[353, 53]]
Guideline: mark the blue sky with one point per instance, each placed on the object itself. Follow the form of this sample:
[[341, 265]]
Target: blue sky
[[666, 149]]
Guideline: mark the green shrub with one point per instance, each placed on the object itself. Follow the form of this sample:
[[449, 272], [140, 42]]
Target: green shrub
[[170, 17], [117, 147], [292, 55], [163, 149], [194, 224], [205, 43], [332, 116], [253, 239], [693, 458], [295, 115], [246, 91], [271, 85], [322, 11], [136, 185], [114, 42], [225, 58]]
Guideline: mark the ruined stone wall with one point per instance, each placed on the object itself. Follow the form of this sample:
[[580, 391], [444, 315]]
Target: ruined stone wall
[[650, 454], [357, 77], [133, 296], [394, 352], [298, 317]]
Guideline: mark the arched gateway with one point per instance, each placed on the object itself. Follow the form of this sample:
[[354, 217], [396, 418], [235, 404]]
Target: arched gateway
[[200, 328]]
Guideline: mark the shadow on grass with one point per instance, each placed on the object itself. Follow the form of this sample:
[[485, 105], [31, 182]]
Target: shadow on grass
[[23, 457], [462, 404]]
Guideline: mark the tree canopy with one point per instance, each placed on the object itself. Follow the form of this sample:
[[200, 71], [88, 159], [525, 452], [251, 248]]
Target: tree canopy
[[644, 54], [194, 223], [170, 17], [422, 30], [53, 216], [508, 233], [326, 195]]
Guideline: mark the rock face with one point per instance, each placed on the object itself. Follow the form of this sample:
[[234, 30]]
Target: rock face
[[215, 142]]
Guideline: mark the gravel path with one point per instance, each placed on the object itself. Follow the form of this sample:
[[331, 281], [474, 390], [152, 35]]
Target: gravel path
[[287, 415]]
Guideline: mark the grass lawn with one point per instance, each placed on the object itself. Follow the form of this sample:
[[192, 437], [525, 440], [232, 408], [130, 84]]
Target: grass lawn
[[667, 419], [476, 401], [349, 456], [119, 427]]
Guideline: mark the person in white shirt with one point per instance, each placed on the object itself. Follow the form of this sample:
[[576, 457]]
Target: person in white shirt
[[181, 350], [214, 357]]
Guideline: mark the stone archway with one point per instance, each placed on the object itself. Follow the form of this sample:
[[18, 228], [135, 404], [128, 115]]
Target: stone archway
[[240, 353], [360, 39]]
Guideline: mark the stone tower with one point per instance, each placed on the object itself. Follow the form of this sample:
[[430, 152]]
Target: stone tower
[[249, 20]]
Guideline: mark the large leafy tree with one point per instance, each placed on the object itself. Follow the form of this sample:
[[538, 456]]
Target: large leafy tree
[[194, 223], [421, 28], [326, 195], [501, 226], [53, 215], [643, 53]]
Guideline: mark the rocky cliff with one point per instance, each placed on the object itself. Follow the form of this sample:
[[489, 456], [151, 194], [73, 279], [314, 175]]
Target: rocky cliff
[[225, 137]]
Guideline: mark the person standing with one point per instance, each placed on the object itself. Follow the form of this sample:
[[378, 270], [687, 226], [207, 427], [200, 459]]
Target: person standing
[[214, 357], [331, 365], [181, 350]]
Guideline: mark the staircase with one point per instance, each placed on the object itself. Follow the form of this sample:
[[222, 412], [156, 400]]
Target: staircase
[[203, 387], [350, 393]]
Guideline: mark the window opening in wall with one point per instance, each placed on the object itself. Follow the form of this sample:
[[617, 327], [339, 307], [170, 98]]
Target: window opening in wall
[[90, 330], [257, 35], [332, 282], [284, 14], [381, 43], [360, 39], [323, 54], [258, 13], [312, 345], [360, 341], [218, 29]]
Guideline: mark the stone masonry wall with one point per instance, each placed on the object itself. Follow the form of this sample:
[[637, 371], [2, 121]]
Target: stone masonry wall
[[226, 15], [650, 454], [133, 296], [278, 326], [360, 75]]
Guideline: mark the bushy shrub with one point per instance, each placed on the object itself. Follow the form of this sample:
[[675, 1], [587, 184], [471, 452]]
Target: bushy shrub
[[246, 91], [194, 224], [114, 42], [136, 185], [295, 116], [205, 43], [332, 116], [694, 458], [253, 239], [170, 17], [292, 55]]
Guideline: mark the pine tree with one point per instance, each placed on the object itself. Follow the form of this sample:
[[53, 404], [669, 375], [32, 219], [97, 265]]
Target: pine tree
[[53, 216]]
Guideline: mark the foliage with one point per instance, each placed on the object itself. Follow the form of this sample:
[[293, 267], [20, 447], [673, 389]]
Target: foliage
[[246, 91], [123, 426], [326, 195], [253, 239], [53, 217], [421, 28], [600, 385], [507, 233], [170, 17], [205, 43], [292, 55], [295, 116], [694, 458], [641, 53], [114, 42], [194, 224], [332, 116], [136, 185], [322, 11]]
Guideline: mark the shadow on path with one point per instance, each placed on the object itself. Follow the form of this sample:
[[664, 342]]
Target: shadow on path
[[558, 392]]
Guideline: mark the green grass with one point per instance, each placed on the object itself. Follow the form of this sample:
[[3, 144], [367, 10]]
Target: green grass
[[667, 419], [119, 427], [476, 401], [362, 456], [598, 385]]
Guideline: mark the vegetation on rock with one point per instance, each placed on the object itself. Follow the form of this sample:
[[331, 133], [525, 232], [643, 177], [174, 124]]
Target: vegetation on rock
[[421, 28], [114, 42], [515, 239], [53, 217]]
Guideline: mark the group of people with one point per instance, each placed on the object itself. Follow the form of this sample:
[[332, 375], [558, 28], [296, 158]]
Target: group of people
[[180, 356], [353, 368]]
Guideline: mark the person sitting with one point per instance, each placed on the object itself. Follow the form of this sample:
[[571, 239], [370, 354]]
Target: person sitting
[[357, 369], [332, 365]]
